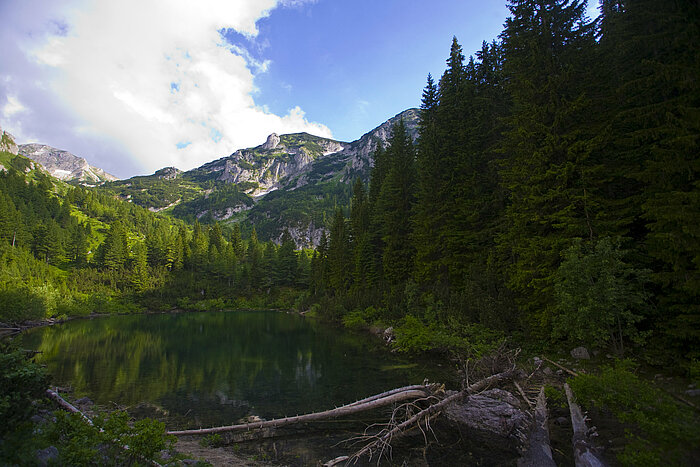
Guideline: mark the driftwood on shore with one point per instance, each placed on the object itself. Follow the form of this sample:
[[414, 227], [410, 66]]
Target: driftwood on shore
[[381, 442], [64, 404], [373, 402], [538, 451], [585, 453]]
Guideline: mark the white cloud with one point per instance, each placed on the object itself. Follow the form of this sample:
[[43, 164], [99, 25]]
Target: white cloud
[[155, 74], [12, 106]]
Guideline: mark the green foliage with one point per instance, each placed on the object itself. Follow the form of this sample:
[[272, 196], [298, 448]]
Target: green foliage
[[555, 397], [21, 382], [466, 340], [657, 429], [20, 304], [361, 319], [83, 444], [600, 296], [212, 441]]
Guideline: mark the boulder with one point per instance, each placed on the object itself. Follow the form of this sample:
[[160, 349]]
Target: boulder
[[47, 456], [495, 411], [580, 353]]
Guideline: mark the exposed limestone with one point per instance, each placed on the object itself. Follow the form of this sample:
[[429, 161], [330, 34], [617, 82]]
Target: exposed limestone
[[7, 143], [272, 141], [64, 165]]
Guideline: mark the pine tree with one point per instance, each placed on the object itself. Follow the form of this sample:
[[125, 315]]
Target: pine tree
[[339, 256], [286, 267], [653, 123], [394, 209], [545, 169], [115, 247], [139, 268]]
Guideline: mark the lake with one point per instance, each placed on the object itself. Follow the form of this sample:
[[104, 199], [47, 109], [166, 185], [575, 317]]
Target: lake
[[210, 369]]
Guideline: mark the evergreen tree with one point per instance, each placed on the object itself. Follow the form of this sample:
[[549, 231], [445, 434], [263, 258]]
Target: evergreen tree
[[394, 209], [286, 268], [139, 268], [652, 116], [115, 250], [545, 169], [237, 240], [339, 257]]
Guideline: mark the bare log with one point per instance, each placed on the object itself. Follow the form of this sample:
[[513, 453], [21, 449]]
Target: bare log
[[585, 453], [373, 403], [67, 405], [389, 393], [571, 372], [539, 451], [522, 393], [383, 440]]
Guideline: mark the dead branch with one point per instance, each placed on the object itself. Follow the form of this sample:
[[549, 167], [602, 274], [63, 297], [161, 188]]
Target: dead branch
[[355, 407], [571, 372], [383, 440], [522, 393]]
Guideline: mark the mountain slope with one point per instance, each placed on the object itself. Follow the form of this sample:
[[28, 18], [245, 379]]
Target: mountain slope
[[290, 182], [64, 165]]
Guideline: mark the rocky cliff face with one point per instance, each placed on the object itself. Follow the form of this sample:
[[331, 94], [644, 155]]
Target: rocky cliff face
[[7, 143], [355, 159], [263, 168], [64, 165]]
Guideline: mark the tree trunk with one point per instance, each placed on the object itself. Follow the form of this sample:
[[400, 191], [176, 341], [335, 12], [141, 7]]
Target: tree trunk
[[585, 453], [539, 452], [373, 402]]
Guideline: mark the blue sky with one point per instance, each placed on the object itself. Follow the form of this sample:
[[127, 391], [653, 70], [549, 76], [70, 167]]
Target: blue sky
[[352, 65], [136, 85]]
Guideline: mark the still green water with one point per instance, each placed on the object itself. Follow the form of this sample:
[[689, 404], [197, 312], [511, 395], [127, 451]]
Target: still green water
[[207, 369]]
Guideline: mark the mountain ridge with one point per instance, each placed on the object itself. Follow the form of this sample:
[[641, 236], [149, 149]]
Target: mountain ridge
[[64, 165]]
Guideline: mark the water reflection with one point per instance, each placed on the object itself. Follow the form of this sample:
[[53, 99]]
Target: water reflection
[[215, 368]]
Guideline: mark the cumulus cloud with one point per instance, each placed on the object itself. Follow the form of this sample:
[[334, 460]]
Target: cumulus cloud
[[155, 77]]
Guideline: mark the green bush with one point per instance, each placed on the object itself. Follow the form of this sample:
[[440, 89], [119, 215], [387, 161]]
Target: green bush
[[599, 295], [213, 441], [82, 444], [657, 429], [21, 304], [360, 319], [470, 340], [21, 382]]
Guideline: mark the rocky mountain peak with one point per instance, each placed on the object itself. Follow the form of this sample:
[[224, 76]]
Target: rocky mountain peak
[[168, 173], [64, 165], [272, 141], [7, 143]]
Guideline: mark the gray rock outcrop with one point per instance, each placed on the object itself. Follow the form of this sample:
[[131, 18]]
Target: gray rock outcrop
[[580, 353], [64, 165], [7, 143]]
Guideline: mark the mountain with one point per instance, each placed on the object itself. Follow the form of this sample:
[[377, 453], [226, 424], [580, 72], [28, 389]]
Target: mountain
[[64, 165], [291, 182], [11, 159]]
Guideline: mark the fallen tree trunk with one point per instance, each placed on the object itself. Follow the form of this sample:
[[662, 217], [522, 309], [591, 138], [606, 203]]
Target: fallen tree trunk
[[71, 408], [585, 453], [67, 405], [369, 403], [539, 451], [383, 440]]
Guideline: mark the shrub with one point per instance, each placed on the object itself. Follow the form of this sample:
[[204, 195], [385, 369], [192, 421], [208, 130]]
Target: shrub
[[657, 429], [21, 382]]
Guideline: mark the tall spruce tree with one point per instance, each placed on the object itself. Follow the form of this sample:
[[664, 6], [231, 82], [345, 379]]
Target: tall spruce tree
[[544, 166], [653, 135], [394, 209]]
